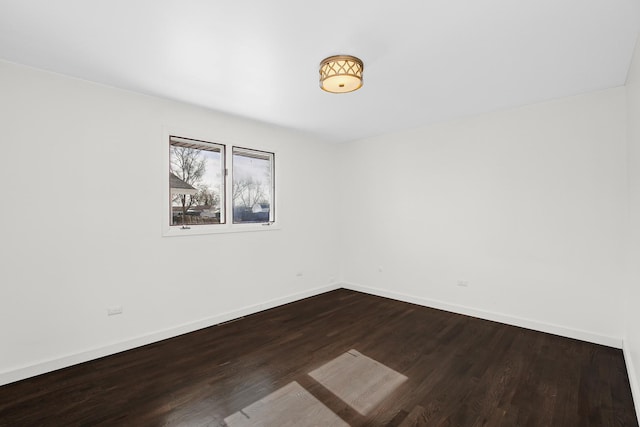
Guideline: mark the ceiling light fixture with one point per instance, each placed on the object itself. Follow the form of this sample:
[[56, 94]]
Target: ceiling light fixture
[[341, 74]]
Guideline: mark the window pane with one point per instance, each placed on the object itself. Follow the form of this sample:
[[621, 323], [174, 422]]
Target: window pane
[[253, 186], [196, 181]]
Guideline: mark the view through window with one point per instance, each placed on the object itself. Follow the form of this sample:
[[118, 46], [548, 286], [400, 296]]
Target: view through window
[[199, 185], [253, 186], [196, 182]]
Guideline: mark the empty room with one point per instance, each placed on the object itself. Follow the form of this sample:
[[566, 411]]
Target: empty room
[[283, 213]]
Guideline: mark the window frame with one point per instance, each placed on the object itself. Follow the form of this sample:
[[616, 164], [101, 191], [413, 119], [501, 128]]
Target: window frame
[[229, 145], [272, 187], [222, 149]]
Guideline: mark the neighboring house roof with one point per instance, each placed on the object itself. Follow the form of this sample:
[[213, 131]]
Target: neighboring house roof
[[179, 186]]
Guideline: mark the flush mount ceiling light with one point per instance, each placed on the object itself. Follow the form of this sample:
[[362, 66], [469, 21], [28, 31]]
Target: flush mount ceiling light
[[341, 74]]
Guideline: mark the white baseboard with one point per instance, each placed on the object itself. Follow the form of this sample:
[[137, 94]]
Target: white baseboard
[[107, 350], [633, 377], [91, 354], [582, 335]]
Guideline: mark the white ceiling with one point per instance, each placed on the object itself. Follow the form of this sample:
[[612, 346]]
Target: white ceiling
[[425, 61]]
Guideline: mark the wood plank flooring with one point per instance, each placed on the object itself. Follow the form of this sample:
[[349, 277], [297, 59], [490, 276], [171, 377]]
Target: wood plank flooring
[[460, 371]]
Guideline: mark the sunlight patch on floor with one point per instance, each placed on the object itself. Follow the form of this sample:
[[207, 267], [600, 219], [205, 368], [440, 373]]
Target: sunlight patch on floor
[[290, 405], [358, 380]]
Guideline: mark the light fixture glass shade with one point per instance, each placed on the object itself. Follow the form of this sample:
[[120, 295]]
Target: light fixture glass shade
[[341, 74]]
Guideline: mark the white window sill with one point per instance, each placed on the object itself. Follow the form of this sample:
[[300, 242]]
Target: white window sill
[[196, 230]]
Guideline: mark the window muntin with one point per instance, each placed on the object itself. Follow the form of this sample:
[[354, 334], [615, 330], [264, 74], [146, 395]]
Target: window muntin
[[253, 186], [196, 182]]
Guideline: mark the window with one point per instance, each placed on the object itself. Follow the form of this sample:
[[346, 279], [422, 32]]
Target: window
[[253, 186], [196, 182], [205, 197]]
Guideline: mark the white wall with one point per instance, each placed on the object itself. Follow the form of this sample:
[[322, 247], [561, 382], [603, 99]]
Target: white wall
[[526, 205], [81, 223], [529, 206], [632, 339]]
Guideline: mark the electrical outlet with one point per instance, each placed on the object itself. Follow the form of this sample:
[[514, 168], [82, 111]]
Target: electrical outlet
[[463, 283], [299, 274], [112, 311], [380, 269]]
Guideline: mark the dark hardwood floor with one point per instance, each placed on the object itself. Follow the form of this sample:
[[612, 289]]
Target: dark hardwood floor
[[412, 366]]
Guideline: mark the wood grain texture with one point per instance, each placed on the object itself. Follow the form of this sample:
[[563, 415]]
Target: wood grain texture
[[416, 418], [461, 371]]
